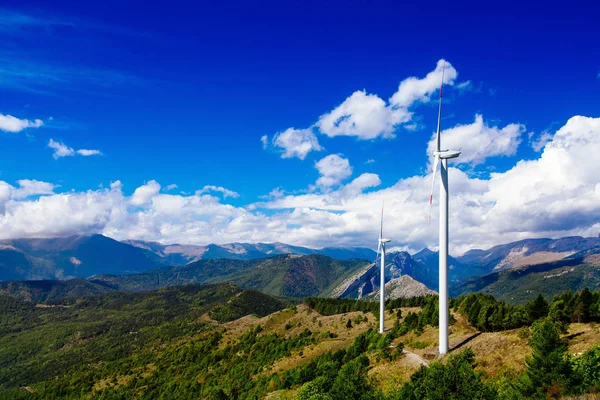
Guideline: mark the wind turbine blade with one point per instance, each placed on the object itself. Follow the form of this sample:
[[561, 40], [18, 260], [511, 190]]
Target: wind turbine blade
[[381, 225], [435, 165], [439, 124], [378, 252]]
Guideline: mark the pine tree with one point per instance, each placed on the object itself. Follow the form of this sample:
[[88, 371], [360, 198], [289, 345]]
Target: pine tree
[[538, 308], [548, 365]]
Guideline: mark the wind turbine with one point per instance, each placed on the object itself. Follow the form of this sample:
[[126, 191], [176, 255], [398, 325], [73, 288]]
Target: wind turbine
[[381, 248], [444, 156]]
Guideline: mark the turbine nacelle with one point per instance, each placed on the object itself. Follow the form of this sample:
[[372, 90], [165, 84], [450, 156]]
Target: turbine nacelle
[[446, 154], [385, 240]]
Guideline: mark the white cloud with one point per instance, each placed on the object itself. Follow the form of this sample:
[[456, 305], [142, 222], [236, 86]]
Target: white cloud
[[332, 170], [87, 153], [539, 143], [364, 116], [370, 161], [296, 142], [32, 187], [220, 189], [171, 187], [478, 141], [145, 193], [464, 86], [8, 123], [367, 116], [556, 194], [60, 149], [413, 89], [358, 185], [116, 185], [26, 188], [276, 193], [264, 139]]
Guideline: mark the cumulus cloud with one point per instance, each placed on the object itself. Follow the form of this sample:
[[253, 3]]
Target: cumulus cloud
[[276, 193], [264, 139], [538, 143], [219, 189], [367, 116], [358, 185], [27, 188], [364, 116], [295, 142], [62, 150], [8, 123], [413, 89], [32, 187], [171, 187], [332, 170], [478, 141], [144, 194], [555, 194]]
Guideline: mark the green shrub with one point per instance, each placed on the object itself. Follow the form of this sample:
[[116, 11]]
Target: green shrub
[[523, 333]]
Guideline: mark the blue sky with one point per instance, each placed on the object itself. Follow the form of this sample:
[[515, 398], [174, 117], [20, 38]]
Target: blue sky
[[182, 94]]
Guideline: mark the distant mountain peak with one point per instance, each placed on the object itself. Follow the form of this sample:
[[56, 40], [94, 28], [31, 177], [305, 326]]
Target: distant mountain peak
[[425, 252], [403, 287]]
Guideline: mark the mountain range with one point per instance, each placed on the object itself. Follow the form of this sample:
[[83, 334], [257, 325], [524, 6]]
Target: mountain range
[[524, 283], [282, 276], [422, 266], [74, 256], [177, 254], [277, 269], [475, 269], [82, 256]]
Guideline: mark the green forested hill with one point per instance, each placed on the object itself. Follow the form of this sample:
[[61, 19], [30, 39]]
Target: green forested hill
[[285, 276], [52, 290], [163, 345], [525, 283], [102, 333]]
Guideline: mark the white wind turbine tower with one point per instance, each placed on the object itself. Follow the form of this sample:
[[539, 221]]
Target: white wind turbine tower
[[381, 249], [444, 156]]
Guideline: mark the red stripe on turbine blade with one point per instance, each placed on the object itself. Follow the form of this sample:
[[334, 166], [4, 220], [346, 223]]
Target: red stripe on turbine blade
[[430, 199]]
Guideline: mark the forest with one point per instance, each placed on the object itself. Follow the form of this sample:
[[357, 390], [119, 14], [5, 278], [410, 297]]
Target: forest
[[174, 343]]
